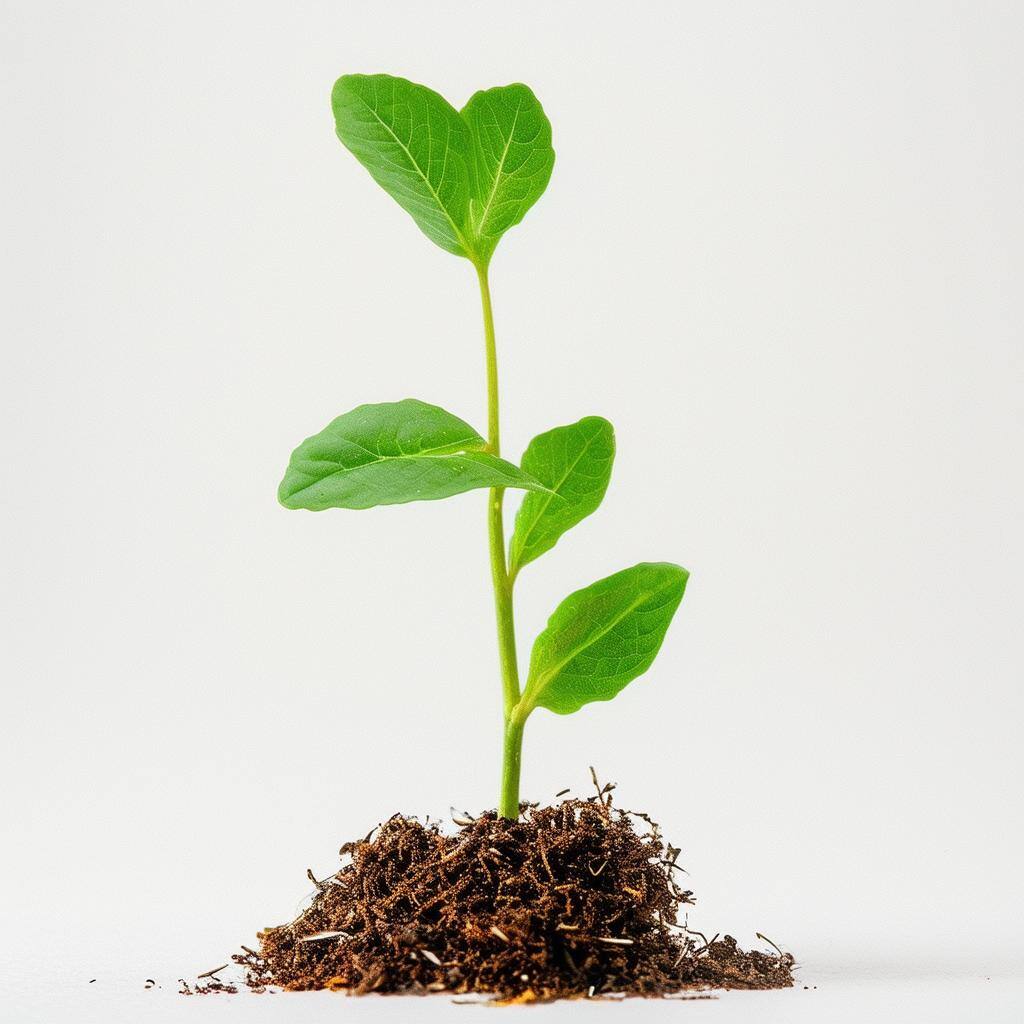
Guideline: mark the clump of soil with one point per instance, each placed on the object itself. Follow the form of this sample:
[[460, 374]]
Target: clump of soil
[[571, 900]]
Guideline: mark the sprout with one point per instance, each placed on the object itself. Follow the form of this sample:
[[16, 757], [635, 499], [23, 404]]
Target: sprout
[[466, 177]]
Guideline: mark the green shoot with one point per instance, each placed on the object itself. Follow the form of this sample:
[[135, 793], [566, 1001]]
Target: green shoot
[[466, 177]]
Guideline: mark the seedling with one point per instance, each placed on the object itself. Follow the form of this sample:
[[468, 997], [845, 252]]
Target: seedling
[[466, 177]]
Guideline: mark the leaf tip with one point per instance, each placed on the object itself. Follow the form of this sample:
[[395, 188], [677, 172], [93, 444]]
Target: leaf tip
[[285, 495]]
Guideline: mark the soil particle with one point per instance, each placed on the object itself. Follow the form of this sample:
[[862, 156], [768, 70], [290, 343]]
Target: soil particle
[[212, 987], [569, 901]]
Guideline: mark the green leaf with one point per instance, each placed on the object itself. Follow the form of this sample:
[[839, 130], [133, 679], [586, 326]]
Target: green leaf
[[602, 637], [511, 160], [575, 463], [391, 453], [465, 178], [415, 145]]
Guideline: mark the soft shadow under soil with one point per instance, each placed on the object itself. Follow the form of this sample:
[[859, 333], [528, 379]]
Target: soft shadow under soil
[[580, 899]]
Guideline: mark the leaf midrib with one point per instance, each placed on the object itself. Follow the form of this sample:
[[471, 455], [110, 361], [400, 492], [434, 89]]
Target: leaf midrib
[[555, 492], [460, 238], [592, 639], [427, 453], [501, 164]]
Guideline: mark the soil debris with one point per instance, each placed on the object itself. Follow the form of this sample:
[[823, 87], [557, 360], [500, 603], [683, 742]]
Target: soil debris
[[569, 901], [212, 987], [212, 973]]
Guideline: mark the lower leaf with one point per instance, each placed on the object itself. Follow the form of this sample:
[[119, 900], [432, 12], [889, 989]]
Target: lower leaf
[[392, 453], [602, 637]]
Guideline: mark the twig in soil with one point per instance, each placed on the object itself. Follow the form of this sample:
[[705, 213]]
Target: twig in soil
[[764, 938], [462, 818]]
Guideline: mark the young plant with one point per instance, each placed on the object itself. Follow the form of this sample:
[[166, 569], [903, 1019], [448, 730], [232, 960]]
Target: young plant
[[466, 177]]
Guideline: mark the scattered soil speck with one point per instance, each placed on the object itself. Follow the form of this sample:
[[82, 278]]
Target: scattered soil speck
[[207, 988]]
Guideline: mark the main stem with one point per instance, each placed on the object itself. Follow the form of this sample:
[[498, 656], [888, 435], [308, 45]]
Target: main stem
[[508, 802]]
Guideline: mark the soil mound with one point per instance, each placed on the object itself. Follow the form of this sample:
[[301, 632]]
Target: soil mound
[[580, 899]]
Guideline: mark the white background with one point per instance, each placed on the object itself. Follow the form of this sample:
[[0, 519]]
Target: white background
[[781, 250]]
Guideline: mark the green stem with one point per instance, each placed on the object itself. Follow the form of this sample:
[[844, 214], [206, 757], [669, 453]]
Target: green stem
[[508, 804]]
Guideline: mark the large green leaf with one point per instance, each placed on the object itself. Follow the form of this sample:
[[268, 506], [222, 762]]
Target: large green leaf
[[575, 463], [510, 163], [415, 145], [391, 453], [602, 637], [465, 178]]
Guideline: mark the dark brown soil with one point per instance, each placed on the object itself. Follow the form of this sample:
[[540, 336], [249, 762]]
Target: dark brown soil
[[580, 899]]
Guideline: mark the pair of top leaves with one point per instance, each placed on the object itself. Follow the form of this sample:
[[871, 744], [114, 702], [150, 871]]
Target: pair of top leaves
[[599, 638], [464, 176]]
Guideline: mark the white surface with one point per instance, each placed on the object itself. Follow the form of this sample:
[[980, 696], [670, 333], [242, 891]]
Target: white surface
[[851, 1000], [781, 251]]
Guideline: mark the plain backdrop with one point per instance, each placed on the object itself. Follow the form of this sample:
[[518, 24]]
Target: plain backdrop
[[781, 251]]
